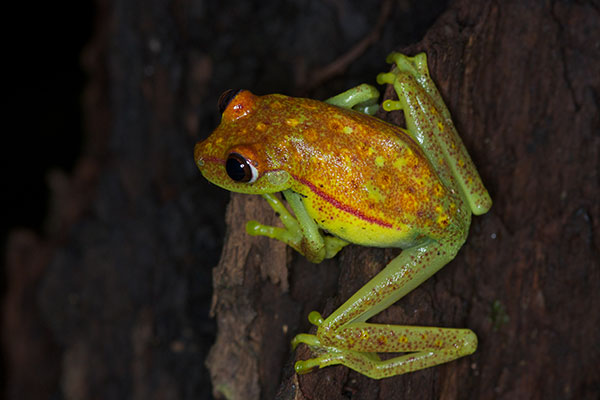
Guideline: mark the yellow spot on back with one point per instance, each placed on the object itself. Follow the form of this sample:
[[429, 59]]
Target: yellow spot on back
[[399, 163], [291, 122], [375, 194], [347, 129], [379, 161], [260, 126], [441, 126]]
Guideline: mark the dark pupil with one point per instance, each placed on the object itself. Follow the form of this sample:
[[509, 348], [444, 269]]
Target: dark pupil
[[237, 168]]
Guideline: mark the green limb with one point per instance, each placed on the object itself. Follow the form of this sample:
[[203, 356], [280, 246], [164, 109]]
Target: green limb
[[299, 232], [316, 319], [419, 98], [367, 337], [425, 347], [363, 98], [345, 338], [371, 365], [290, 235], [417, 67], [400, 276]]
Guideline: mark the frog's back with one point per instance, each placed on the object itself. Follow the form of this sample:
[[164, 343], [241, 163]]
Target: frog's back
[[365, 180]]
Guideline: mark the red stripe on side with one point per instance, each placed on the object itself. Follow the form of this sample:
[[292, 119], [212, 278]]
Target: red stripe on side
[[342, 206]]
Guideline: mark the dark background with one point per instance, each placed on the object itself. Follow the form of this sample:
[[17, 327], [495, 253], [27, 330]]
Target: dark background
[[44, 111], [43, 98]]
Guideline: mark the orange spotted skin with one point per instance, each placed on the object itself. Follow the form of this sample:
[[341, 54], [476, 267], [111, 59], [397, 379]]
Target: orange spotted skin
[[361, 179]]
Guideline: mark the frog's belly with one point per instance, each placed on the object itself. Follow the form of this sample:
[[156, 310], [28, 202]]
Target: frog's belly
[[358, 227]]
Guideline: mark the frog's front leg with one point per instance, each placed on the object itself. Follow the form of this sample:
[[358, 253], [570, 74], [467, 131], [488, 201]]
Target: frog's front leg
[[346, 338], [363, 98], [300, 232]]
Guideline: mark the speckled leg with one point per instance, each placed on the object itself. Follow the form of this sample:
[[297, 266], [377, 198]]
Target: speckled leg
[[426, 347], [345, 338], [421, 102]]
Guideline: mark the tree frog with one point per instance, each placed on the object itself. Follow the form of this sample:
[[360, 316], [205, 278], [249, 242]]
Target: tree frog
[[349, 177]]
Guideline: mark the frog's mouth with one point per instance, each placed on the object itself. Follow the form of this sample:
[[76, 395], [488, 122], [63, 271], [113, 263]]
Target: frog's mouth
[[206, 164]]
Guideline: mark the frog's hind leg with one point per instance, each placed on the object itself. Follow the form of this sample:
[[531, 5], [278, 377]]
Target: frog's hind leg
[[417, 68], [424, 347], [345, 337], [420, 100]]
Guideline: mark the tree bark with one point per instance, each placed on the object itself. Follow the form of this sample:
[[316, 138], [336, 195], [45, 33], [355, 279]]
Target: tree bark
[[519, 80], [112, 301]]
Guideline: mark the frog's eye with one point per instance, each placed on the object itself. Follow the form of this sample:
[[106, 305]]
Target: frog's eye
[[226, 98], [239, 169]]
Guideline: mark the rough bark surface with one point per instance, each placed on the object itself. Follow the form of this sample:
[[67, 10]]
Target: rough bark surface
[[112, 301], [519, 79]]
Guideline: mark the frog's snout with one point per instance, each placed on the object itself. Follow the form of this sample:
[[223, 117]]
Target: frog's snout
[[198, 155]]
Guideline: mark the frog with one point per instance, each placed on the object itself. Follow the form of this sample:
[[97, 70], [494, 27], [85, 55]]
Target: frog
[[349, 177]]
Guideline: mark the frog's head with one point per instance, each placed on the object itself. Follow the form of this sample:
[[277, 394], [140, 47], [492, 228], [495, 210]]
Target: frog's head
[[237, 155]]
